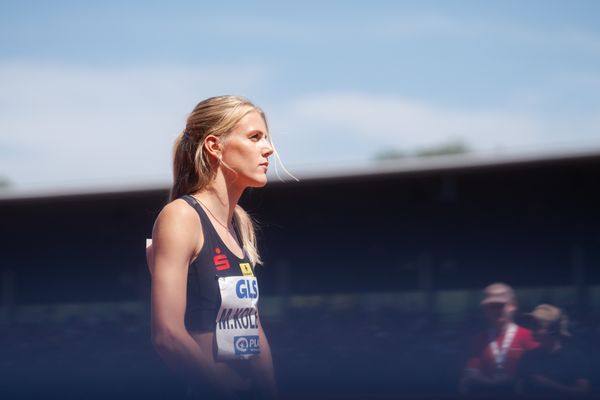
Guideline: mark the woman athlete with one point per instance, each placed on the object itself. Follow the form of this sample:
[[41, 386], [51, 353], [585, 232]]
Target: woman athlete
[[205, 322]]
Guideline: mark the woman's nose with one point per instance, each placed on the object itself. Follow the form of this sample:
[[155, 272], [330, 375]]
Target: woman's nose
[[268, 150]]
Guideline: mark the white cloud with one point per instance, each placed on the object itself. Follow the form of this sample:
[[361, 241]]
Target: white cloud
[[72, 126], [334, 130], [340, 129], [409, 124]]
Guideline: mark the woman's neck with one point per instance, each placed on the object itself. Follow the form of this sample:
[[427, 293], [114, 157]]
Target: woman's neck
[[221, 199]]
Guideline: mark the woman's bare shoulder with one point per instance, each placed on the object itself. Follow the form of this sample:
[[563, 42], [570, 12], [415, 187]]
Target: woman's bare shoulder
[[177, 208], [177, 218]]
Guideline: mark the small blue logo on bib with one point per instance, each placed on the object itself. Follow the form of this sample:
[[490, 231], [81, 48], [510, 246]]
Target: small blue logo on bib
[[246, 345]]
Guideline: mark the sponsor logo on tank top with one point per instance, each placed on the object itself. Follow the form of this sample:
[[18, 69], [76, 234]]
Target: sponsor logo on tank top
[[246, 269], [220, 260], [245, 345], [246, 289]]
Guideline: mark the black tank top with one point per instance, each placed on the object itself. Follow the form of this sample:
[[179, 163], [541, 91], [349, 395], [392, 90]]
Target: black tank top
[[214, 260]]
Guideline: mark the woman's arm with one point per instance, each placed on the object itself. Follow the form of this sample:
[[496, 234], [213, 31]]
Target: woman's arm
[[263, 367], [175, 237]]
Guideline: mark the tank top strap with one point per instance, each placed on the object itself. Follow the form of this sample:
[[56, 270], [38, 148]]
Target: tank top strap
[[207, 225]]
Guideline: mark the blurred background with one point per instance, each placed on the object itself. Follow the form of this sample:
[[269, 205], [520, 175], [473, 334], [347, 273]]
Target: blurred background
[[440, 146]]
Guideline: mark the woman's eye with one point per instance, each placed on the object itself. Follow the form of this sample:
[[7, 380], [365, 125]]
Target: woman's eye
[[255, 137]]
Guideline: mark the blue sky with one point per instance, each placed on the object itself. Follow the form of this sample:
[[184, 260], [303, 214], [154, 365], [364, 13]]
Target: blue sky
[[94, 93]]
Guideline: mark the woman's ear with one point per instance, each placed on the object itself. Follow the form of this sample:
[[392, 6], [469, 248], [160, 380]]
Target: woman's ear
[[212, 145]]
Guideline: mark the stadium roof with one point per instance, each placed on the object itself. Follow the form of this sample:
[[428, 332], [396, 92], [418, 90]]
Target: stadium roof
[[402, 166]]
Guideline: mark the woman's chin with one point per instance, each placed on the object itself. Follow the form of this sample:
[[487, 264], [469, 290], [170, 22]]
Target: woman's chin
[[261, 184], [258, 182]]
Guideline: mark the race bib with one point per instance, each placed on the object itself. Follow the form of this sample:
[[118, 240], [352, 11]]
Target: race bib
[[237, 321]]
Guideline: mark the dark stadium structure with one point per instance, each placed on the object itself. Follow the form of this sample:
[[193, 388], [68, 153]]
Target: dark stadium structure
[[427, 227]]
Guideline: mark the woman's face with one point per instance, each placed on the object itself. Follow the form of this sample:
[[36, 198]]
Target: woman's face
[[246, 150]]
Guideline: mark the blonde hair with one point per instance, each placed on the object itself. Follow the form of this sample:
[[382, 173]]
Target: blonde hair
[[192, 168]]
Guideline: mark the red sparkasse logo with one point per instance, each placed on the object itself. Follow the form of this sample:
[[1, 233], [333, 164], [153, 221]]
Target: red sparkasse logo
[[220, 260]]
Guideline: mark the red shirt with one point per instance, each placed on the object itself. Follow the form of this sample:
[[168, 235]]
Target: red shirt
[[482, 358]]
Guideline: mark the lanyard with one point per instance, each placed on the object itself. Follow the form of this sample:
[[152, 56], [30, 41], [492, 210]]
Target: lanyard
[[500, 353]]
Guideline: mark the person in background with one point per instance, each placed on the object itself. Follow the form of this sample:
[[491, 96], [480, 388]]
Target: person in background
[[555, 367], [494, 354]]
